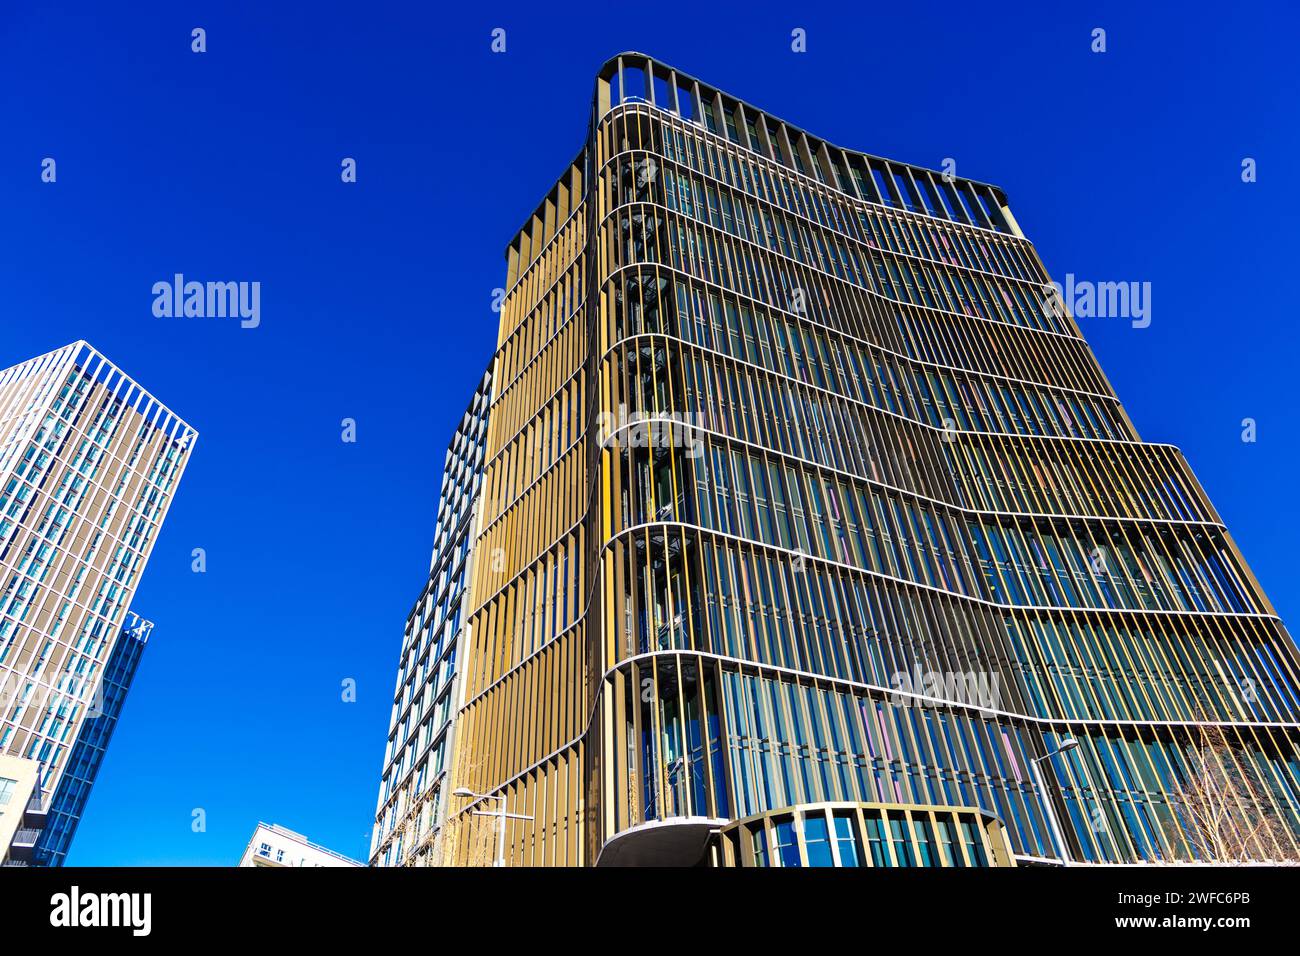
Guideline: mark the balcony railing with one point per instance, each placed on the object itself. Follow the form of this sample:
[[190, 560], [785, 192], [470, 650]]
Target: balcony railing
[[38, 808]]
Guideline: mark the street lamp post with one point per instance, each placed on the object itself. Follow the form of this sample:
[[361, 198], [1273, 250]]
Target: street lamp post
[[1069, 743], [501, 816]]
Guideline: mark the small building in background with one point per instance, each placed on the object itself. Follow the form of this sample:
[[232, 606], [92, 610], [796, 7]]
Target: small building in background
[[273, 845]]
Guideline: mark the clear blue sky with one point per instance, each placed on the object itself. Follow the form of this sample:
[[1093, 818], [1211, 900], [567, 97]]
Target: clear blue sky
[[376, 296]]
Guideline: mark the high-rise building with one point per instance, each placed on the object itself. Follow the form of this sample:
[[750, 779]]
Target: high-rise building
[[274, 845], [89, 463], [68, 802], [820, 536], [421, 737]]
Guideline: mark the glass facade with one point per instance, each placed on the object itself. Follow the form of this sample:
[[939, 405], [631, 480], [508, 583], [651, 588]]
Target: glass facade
[[865, 835], [69, 802], [805, 490], [421, 738]]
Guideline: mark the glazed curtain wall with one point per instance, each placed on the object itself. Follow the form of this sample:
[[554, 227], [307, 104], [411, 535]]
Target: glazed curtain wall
[[694, 736], [800, 488], [894, 457], [857, 835]]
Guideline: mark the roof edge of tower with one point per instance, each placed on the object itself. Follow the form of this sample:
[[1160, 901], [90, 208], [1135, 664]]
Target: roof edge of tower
[[612, 61]]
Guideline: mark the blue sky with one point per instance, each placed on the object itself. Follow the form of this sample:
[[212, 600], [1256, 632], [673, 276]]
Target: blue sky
[[376, 296]]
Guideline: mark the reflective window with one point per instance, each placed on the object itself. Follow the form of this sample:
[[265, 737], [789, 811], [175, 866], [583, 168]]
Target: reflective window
[[818, 841], [846, 841], [787, 845]]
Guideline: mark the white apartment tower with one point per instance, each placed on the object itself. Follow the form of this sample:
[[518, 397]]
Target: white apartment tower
[[89, 462]]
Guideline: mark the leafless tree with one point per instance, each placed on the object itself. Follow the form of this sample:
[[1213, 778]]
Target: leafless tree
[[1228, 813], [463, 839]]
